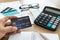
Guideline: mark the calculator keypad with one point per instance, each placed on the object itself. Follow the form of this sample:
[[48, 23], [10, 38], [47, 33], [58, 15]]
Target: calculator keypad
[[48, 21]]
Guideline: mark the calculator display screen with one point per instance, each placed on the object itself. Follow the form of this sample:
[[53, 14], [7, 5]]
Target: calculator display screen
[[52, 10]]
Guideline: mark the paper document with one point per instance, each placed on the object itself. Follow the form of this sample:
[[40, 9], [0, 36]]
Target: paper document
[[51, 36], [33, 36], [26, 36]]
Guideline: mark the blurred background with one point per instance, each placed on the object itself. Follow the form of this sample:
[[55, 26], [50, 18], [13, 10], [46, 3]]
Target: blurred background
[[30, 1], [55, 2]]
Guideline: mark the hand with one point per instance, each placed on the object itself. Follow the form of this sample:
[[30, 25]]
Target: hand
[[6, 28]]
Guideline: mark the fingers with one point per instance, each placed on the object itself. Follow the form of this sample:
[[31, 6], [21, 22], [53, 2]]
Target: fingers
[[8, 24], [10, 29], [18, 31], [7, 18], [4, 20], [14, 32]]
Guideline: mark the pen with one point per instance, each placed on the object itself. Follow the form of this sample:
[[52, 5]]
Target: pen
[[43, 37]]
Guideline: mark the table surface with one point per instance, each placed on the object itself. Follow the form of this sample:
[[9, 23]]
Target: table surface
[[35, 27]]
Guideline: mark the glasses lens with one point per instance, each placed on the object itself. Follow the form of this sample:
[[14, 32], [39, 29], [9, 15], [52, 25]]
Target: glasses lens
[[35, 6], [24, 7]]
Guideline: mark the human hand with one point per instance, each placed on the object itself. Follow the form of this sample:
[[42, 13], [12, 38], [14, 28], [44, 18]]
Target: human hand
[[6, 28]]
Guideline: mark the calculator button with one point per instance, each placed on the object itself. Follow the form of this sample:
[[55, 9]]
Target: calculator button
[[49, 24], [58, 17], [40, 22], [50, 16], [51, 21], [36, 20], [53, 26], [54, 17], [46, 14], [55, 23], [46, 21], [44, 24], [57, 20], [43, 18], [42, 13], [39, 17]]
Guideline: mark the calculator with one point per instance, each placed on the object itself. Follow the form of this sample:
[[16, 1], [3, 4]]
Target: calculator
[[49, 18]]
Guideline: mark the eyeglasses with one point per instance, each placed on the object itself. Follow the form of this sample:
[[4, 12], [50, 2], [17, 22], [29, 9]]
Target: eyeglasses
[[27, 7]]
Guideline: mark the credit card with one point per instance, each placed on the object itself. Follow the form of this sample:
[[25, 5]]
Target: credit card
[[22, 22], [9, 11]]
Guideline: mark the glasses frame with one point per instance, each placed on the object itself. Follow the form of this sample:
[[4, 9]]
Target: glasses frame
[[26, 7]]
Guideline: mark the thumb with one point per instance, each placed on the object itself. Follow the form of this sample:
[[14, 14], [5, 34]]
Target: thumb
[[10, 29]]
